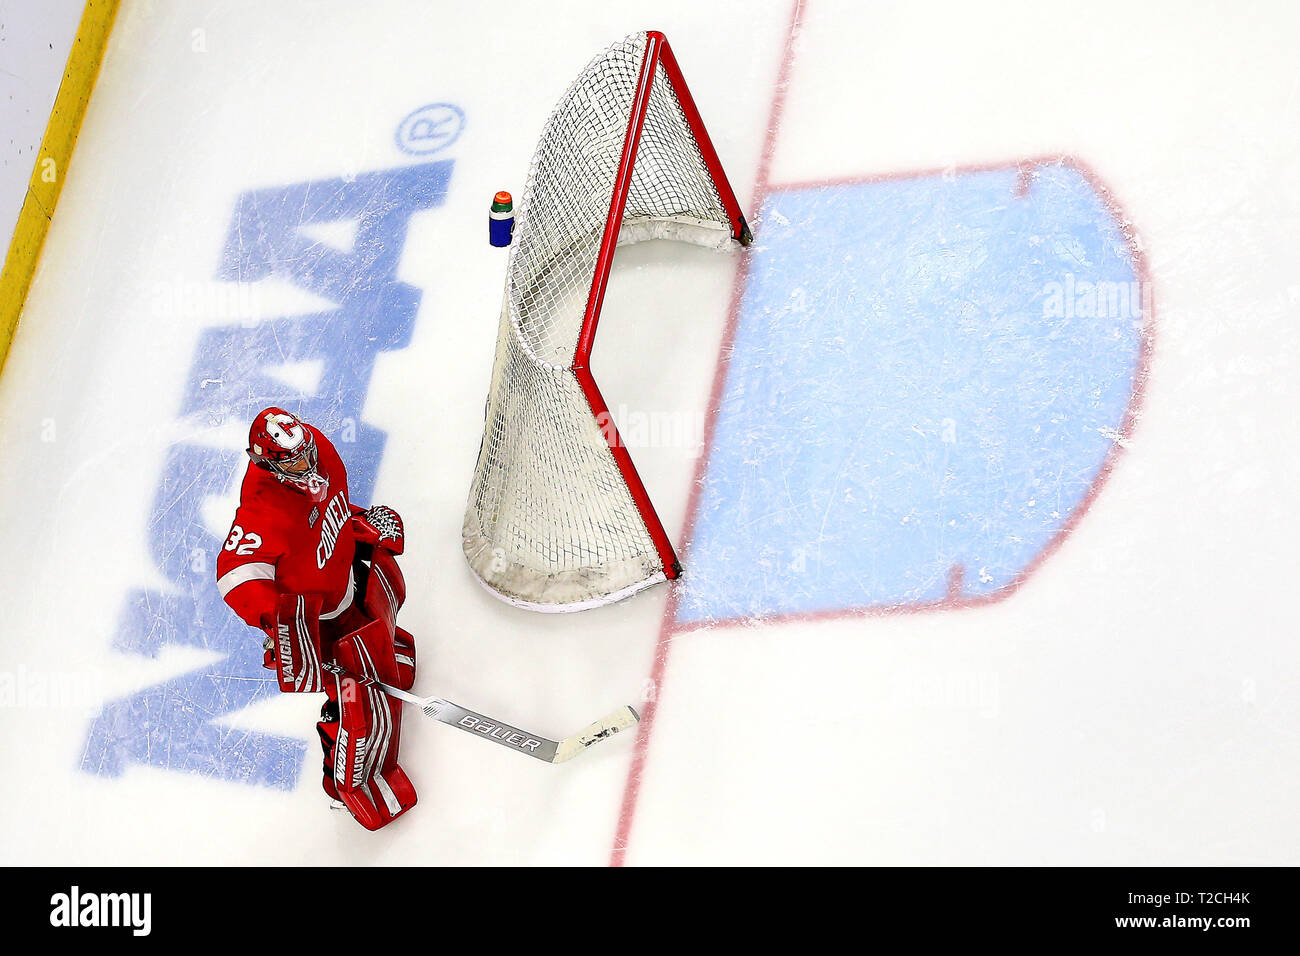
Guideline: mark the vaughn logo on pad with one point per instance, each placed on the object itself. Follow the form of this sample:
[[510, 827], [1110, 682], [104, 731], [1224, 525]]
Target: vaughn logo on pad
[[102, 909]]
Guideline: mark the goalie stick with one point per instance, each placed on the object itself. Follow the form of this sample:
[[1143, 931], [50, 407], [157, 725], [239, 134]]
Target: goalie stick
[[551, 751]]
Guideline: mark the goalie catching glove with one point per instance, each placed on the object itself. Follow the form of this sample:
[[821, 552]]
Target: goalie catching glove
[[378, 526]]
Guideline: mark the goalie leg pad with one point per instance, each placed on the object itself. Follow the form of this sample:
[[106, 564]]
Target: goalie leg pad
[[385, 588], [375, 651], [366, 774], [381, 649], [296, 651]]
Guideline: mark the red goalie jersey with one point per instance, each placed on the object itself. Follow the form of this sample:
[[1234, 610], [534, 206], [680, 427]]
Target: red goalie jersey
[[293, 531], [320, 578]]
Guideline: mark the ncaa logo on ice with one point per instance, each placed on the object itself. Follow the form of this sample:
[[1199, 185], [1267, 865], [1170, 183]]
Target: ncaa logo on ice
[[235, 369]]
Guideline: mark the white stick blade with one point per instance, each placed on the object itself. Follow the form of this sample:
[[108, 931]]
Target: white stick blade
[[607, 726]]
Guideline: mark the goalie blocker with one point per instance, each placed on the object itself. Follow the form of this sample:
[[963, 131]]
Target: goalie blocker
[[347, 658]]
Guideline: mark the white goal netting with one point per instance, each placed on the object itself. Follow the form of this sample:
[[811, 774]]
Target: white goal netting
[[551, 523]]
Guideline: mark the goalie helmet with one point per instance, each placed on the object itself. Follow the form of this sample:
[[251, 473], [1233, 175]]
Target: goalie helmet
[[280, 443]]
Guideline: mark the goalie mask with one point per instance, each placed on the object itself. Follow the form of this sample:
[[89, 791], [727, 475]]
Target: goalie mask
[[280, 443]]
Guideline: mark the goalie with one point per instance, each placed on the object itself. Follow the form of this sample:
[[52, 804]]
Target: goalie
[[317, 575]]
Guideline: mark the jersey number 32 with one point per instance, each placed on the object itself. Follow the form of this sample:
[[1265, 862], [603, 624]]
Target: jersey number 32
[[241, 543]]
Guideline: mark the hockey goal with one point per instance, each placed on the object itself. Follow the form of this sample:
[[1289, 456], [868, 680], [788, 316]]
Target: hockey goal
[[558, 518]]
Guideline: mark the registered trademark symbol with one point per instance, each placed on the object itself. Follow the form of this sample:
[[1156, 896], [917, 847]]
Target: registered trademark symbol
[[430, 128]]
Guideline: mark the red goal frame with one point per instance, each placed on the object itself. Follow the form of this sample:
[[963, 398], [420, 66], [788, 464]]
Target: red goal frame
[[657, 52]]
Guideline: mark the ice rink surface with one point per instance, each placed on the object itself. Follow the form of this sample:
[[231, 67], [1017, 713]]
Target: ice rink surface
[[982, 459]]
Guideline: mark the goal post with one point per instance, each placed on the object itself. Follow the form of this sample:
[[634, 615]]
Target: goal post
[[558, 518]]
